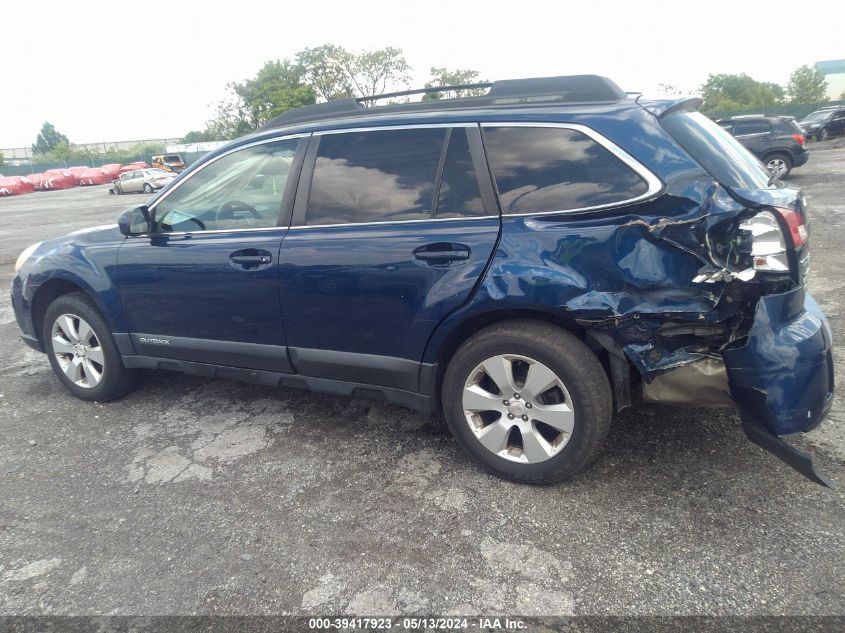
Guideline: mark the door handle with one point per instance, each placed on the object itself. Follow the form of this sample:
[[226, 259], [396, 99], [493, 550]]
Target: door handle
[[442, 253], [250, 259]]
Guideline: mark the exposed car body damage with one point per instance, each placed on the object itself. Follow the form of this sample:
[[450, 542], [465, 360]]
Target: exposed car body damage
[[669, 290], [691, 292]]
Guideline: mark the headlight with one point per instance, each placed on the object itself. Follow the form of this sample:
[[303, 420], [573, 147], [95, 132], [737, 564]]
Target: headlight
[[29, 250]]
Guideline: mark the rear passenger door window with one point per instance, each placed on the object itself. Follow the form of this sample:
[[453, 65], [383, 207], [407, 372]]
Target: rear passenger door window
[[552, 169], [745, 128], [375, 176]]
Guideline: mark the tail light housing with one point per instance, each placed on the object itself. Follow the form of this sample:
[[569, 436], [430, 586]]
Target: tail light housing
[[773, 233], [799, 138]]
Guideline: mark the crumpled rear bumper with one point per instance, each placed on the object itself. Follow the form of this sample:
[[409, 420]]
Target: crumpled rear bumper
[[783, 375]]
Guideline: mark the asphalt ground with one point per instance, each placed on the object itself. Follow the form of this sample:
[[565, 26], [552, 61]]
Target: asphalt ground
[[195, 496]]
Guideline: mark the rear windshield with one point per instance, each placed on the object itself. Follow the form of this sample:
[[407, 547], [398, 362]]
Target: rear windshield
[[716, 151], [172, 159], [819, 115]]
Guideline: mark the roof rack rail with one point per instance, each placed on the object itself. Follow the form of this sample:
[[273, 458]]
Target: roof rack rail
[[586, 89]]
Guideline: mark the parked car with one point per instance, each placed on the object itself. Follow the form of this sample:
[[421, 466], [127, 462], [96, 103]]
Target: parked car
[[94, 176], [112, 169], [15, 185], [53, 179], [141, 180], [778, 141], [523, 261], [824, 123], [169, 162], [76, 171]]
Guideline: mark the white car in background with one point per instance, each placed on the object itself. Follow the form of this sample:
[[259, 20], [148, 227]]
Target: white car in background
[[141, 180]]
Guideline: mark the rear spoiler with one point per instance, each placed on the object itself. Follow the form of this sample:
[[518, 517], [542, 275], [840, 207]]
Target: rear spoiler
[[663, 108]]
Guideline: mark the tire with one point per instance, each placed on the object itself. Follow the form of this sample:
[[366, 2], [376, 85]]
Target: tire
[[580, 384], [148, 189], [823, 135], [783, 162], [63, 327]]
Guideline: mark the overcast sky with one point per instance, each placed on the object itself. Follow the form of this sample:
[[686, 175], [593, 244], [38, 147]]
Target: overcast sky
[[112, 71]]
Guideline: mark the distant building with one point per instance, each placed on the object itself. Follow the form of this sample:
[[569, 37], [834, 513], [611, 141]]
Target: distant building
[[834, 72]]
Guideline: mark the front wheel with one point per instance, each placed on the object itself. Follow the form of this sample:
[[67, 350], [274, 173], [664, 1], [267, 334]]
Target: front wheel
[[823, 135], [528, 401], [148, 188], [82, 351]]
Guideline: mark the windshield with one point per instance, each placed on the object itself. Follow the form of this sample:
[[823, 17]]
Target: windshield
[[817, 116], [172, 159], [158, 172], [716, 151]]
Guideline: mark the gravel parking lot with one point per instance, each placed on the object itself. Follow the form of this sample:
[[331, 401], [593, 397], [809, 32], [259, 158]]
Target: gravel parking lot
[[198, 496]]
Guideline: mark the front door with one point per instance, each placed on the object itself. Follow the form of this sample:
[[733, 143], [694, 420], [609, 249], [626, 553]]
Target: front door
[[393, 235], [203, 285]]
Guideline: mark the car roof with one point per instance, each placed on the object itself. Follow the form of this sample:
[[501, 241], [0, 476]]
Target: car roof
[[757, 117]]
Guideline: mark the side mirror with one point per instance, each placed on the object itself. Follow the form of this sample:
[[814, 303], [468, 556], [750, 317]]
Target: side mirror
[[134, 221]]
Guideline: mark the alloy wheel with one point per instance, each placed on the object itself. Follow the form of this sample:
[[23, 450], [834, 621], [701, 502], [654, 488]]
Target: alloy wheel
[[77, 350], [776, 166], [518, 408]]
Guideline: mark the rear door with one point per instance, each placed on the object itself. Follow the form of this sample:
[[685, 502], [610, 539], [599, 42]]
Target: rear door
[[392, 228]]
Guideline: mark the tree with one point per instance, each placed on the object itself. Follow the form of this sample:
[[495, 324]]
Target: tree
[[277, 87], [807, 85], [198, 136], [458, 77], [326, 71], [671, 90], [48, 139], [336, 73], [738, 92]]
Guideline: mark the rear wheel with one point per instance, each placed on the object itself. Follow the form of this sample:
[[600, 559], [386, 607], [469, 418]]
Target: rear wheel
[[780, 164], [528, 401], [148, 188], [82, 351]]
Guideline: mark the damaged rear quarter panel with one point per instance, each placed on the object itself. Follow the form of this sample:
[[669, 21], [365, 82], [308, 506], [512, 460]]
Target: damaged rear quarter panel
[[627, 271]]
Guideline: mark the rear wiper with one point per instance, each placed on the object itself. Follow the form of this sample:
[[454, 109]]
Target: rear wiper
[[772, 178]]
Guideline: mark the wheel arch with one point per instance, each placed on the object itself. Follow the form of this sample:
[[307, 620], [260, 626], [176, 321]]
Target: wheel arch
[[51, 290], [778, 152], [464, 329]]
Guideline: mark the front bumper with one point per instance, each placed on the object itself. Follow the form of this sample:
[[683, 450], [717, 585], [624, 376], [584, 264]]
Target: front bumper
[[783, 375], [23, 315]]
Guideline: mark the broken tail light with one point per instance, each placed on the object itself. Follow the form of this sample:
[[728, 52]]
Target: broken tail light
[[769, 241]]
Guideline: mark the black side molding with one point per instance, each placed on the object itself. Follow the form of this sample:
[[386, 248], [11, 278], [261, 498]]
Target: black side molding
[[402, 397], [798, 460]]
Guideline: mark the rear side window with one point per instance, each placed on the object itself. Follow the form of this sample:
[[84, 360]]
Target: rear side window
[[460, 195], [716, 151], [375, 176], [788, 126], [751, 127], [539, 169]]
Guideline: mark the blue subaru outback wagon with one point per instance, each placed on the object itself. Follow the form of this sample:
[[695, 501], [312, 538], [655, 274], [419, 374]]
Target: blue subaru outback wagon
[[529, 262]]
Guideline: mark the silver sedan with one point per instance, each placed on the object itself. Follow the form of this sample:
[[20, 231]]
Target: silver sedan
[[146, 180]]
